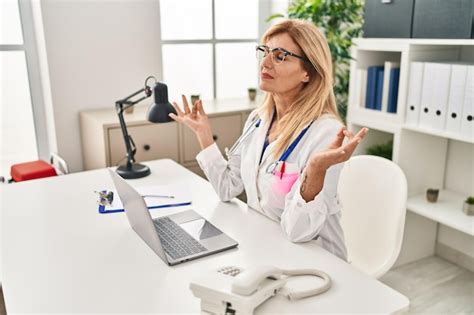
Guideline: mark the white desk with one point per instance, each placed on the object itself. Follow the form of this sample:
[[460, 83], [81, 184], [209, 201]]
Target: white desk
[[60, 255]]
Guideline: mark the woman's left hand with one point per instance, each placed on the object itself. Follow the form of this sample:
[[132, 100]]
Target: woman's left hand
[[337, 152]]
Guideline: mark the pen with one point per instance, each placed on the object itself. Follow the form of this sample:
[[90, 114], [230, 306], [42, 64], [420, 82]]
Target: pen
[[157, 196]]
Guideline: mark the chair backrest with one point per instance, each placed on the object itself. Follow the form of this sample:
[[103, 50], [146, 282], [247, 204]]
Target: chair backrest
[[59, 164], [373, 194]]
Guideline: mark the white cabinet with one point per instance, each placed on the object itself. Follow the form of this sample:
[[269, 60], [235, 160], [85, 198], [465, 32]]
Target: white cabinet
[[226, 129], [152, 141], [103, 144], [430, 157]]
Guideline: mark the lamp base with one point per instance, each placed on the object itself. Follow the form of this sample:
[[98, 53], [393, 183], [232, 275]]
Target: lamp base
[[135, 171]]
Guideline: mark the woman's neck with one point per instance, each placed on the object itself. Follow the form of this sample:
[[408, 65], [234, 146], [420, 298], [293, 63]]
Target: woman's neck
[[283, 102]]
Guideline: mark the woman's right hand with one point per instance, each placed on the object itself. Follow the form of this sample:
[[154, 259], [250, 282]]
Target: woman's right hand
[[196, 120]]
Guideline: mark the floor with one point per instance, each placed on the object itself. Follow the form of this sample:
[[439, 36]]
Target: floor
[[434, 286]]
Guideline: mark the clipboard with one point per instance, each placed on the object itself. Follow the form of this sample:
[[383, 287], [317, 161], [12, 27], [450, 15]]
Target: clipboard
[[181, 198]]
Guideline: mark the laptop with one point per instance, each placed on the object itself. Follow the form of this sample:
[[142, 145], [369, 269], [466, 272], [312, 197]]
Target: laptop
[[175, 238]]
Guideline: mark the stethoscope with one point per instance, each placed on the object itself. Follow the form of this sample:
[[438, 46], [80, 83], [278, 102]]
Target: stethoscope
[[247, 132], [284, 156], [272, 166]]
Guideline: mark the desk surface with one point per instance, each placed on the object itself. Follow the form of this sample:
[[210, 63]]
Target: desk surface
[[61, 255]]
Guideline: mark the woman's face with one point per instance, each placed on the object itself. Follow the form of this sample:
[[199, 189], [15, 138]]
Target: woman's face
[[287, 76]]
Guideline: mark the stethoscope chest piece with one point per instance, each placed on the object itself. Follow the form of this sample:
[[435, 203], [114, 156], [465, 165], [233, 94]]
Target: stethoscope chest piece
[[272, 167]]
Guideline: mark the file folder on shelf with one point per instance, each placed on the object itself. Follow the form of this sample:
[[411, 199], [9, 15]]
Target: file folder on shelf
[[393, 90], [457, 88], [361, 87], [434, 95], [388, 66], [440, 95], [379, 89], [415, 85], [371, 86], [467, 128]]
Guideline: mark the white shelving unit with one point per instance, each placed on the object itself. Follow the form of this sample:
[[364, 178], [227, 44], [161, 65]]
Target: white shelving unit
[[445, 210], [430, 158]]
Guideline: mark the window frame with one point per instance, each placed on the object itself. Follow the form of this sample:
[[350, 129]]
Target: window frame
[[30, 50], [264, 9]]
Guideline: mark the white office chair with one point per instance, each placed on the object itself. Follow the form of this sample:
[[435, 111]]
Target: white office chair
[[373, 194]]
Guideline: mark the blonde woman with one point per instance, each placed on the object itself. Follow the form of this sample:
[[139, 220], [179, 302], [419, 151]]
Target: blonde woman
[[290, 155]]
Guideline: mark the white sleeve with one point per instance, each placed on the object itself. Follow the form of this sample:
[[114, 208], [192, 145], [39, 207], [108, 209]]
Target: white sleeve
[[224, 175], [302, 221]]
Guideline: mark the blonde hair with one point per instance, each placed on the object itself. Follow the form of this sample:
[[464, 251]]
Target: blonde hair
[[317, 96]]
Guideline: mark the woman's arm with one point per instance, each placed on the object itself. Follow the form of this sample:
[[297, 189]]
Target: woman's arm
[[223, 175], [313, 197], [313, 178]]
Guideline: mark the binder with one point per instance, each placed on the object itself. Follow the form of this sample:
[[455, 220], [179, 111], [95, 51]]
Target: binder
[[371, 86], [415, 85], [362, 87], [393, 90], [467, 122], [440, 96], [379, 89], [388, 66], [456, 98], [434, 95]]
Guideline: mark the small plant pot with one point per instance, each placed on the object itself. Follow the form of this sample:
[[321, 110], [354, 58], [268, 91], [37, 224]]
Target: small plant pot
[[468, 209], [252, 94], [432, 195], [195, 98]]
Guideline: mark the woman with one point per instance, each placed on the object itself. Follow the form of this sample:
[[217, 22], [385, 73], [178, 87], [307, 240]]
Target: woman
[[299, 127]]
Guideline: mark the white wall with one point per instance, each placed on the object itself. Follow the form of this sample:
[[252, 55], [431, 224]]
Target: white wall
[[98, 52]]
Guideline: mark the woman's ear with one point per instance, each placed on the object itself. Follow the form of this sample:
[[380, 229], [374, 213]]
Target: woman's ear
[[305, 77]]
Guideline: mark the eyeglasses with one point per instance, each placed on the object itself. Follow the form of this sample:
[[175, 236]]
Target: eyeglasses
[[278, 54]]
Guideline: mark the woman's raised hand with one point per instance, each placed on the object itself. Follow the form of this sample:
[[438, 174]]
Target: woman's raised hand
[[196, 119], [337, 152]]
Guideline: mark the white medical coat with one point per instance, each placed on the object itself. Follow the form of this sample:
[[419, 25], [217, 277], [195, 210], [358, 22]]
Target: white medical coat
[[301, 221]]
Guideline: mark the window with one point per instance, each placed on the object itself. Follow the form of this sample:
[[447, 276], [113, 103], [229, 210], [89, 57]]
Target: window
[[208, 47], [23, 134], [17, 128]]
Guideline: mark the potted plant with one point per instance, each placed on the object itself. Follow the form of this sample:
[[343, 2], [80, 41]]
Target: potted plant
[[468, 207], [432, 194], [252, 94], [341, 21], [194, 98]]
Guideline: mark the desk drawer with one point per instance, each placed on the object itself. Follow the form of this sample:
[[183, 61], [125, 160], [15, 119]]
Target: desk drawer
[[153, 141], [226, 131]]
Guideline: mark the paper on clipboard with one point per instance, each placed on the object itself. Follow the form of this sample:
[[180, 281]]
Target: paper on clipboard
[[181, 196]]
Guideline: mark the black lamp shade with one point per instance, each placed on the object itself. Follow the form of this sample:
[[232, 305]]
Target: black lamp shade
[[160, 109]]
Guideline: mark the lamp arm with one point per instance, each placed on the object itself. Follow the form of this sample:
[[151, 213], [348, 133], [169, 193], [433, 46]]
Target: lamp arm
[[126, 137], [120, 107], [125, 103]]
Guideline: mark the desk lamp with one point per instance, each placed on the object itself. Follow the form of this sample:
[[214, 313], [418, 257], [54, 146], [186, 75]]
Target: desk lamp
[[157, 113]]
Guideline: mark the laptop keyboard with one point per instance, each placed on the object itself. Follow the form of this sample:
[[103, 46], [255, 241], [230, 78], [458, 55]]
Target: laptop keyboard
[[176, 242]]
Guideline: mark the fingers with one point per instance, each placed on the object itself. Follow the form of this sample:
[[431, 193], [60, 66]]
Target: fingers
[[176, 118], [345, 151], [361, 134], [348, 134], [178, 110], [195, 108], [200, 108], [185, 104], [340, 137]]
